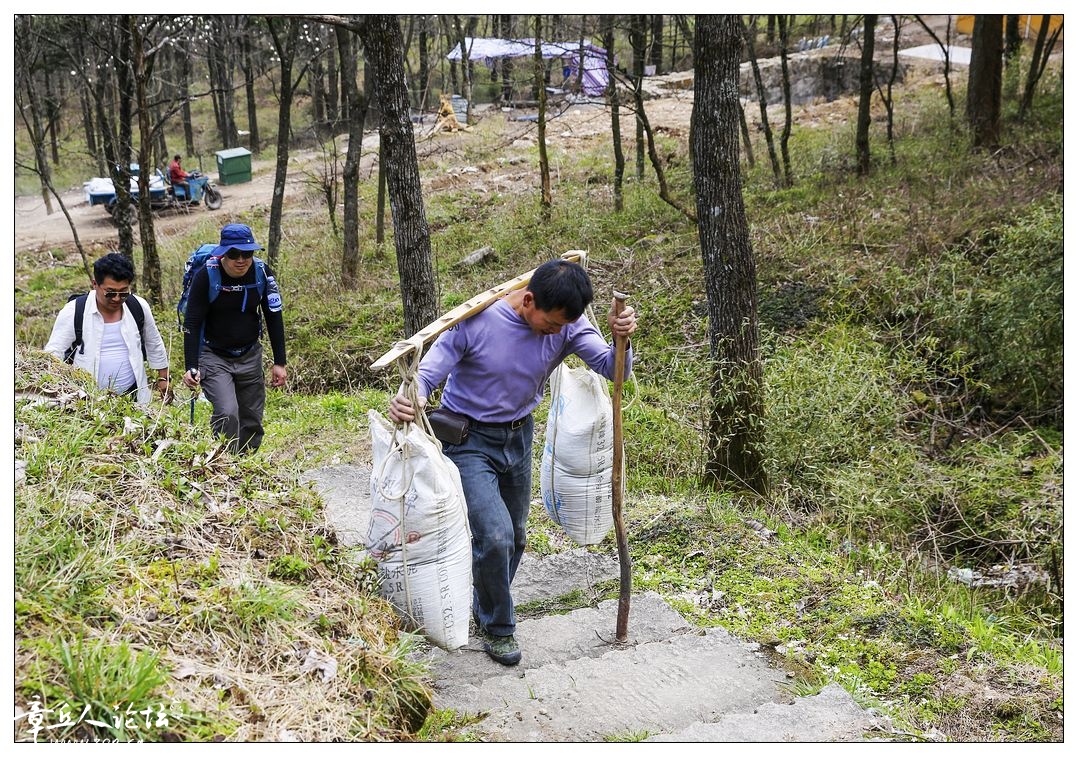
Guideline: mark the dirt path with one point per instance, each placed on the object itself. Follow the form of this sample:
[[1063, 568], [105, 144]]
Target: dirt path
[[35, 229]]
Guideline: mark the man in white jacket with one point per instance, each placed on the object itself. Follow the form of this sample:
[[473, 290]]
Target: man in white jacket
[[115, 335]]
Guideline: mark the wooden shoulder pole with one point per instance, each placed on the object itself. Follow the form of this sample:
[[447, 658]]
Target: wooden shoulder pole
[[461, 312], [618, 479]]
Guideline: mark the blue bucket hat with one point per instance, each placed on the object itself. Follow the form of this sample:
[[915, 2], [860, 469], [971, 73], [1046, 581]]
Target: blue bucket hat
[[236, 236]]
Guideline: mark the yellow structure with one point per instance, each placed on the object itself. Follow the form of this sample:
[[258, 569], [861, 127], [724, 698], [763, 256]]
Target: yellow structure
[[1028, 26]]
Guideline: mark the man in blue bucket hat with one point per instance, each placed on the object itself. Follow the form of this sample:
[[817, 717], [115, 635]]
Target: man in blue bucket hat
[[222, 336]]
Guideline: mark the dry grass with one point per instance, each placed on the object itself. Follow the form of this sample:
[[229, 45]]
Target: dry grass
[[136, 531]]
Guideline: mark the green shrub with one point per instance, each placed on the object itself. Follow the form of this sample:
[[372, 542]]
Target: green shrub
[[1006, 308]]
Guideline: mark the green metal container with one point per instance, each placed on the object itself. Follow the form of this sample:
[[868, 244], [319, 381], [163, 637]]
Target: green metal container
[[233, 166]]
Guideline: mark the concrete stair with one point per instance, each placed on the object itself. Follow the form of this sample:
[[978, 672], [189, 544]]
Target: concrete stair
[[576, 683], [668, 682]]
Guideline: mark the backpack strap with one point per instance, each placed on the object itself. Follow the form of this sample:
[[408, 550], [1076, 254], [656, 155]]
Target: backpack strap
[[77, 345], [133, 306]]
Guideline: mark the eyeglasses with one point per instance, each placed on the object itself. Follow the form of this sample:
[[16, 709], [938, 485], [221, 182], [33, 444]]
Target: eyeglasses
[[237, 254], [111, 295]]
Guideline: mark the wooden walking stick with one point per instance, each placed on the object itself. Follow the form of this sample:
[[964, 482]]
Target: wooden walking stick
[[617, 478]]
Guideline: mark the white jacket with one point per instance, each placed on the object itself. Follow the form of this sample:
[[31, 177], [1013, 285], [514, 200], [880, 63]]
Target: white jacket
[[93, 326]]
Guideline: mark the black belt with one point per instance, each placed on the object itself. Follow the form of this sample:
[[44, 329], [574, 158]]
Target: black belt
[[511, 425]]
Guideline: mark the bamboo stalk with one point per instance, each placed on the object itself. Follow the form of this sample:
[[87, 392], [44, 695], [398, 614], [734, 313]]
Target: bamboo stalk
[[618, 479], [462, 312]]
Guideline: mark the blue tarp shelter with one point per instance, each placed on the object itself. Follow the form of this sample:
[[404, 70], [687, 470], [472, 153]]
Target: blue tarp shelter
[[489, 49]]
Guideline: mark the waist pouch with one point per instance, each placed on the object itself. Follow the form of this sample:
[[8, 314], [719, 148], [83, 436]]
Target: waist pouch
[[449, 427]]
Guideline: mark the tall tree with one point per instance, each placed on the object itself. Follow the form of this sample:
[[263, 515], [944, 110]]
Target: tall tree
[[735, 428], [143, 55], [984, 90], [221, 59], [615, 111], [28, 52], [761, 96], [356, 109], [864, 104], [383, 42], [638, 42], [183, 56], [544, 164], [247, 63], [285, 36], [657, 42], [787, 100], [1042, 50], [465, 67], [945, 50]]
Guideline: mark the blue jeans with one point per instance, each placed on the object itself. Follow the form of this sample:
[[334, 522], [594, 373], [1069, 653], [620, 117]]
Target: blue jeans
[[495, 467]]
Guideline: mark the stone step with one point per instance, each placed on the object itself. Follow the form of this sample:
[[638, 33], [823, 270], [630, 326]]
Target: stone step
[[576, 687], [830, 716], [552, 639], [552, 576]]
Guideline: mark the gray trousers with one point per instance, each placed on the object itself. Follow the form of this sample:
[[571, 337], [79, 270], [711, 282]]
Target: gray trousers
[[237, 389]]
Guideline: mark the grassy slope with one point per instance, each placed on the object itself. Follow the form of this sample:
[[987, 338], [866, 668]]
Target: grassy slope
[[841, 571]]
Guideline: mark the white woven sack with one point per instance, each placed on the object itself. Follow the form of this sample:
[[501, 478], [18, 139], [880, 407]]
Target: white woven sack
[[416, 491], [578, 455]]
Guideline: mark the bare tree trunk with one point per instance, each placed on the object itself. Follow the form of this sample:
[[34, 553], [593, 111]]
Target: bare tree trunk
[[507, 63], [761, 94], [864, 105], [465, 68], [657, 42], [383, 43], [357, 114], [888, 95], [746, 140], [424, 66], [637, 42], [1042, 49], [984, 92], [254, 141], [664, 190], [221, 64], [787, 126], [332, 79], [120, 162], [30, 109], [142, 69], [91, 135], [285, 35], [375, 108], [615, 112], [185, 96], [544, 164], [945, 47], [735, 429], [380, 207], [52, 117]]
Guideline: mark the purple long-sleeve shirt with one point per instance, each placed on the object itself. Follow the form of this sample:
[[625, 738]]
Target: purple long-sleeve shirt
[[495, 367]]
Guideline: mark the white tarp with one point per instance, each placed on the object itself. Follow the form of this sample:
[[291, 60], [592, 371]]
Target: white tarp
[[957, 55], [488, 49]]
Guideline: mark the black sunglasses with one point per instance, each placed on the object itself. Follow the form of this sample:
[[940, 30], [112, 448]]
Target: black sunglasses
[[237, 254], [111, 295]]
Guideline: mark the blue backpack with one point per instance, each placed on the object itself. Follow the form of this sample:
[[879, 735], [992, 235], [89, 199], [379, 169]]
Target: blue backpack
[[203, 258]]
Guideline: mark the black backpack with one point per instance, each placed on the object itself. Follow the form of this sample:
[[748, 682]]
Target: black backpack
[[133, 305]]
